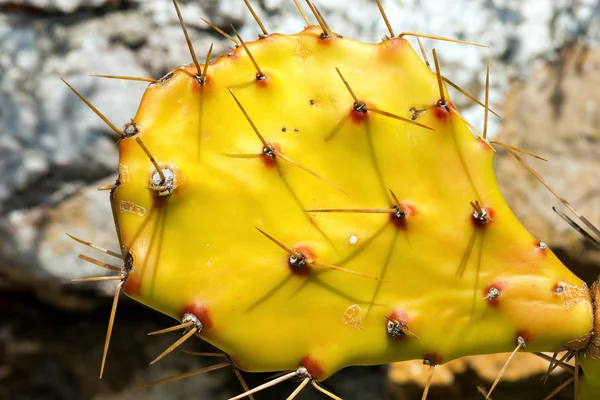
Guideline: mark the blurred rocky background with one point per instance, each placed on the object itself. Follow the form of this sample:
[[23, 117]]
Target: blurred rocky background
[[54, 153]]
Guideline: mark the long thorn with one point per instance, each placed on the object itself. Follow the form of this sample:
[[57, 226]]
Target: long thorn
[[552, 360], [302, 13], [265, 385], [423, 53], [576, 381], [95, 110], [243, 155], [463, 119], [107, 187], [428, 383], [320, 16], [443, 39], [394, 116], [554, 364], [100, 263], [299, 388], [354, 210], [354, 97], [258, 21], [483, 391], [519, 347], [93, 246], [439, 78], [278, 243], [187, 374], [297, 164], [111, 321], [396, 201], [469, 95], [172, 347], [565, 202], [385, 18], [348, 271], [221, 31], [206, 63], [325, 391], [260, 137], [172, 328], [578, 228], [507, 146], [126, 78], [187, 38], [238, 374], [204, 354], [152, 160], [487, 100], [320, 21], [98, 279], [559, 388], [259, 73]]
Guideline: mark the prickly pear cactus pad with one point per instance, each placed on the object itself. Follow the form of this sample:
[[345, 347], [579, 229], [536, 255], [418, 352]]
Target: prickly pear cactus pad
[[309, 202], [327, 207]]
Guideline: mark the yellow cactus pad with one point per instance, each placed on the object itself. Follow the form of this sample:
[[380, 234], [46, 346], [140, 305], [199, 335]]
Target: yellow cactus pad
[[399, 243]]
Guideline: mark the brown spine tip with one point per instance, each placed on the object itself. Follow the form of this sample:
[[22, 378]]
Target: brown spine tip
[[201, 312], [312, 366]]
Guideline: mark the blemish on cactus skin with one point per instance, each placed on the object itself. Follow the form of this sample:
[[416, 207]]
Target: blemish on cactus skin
[[416, 113], [312, 366], [352, 317], [352, 240], [127, 206]]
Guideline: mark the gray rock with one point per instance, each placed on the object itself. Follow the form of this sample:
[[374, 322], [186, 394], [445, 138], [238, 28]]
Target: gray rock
[[63, 6]]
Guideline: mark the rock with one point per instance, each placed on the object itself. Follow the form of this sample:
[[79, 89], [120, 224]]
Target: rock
[[555, 114], [52, 6], [36, 253]]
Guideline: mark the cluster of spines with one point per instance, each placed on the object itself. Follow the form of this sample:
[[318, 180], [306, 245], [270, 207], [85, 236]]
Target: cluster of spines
[[300, 261]]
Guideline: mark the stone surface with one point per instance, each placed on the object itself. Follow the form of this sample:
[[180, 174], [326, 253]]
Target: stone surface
[[555, 114]]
